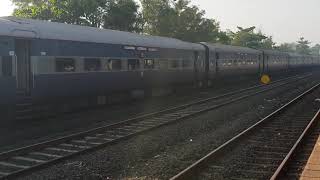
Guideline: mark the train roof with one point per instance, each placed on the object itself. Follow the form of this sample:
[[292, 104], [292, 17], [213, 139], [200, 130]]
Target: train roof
[[26, 28], [275, 52], [292, 54], [229, 48]]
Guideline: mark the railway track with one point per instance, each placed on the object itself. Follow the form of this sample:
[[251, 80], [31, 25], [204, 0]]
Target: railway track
[[34, 157], [261, 151], [295, 162]]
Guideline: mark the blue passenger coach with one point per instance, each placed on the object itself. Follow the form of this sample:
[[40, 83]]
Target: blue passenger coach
[[47, 60], [7, 73]]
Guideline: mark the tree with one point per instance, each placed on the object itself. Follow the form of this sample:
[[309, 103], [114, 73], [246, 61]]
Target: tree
[[113, 14], [268, 43], [123, 15], [247, 37], [180, 20], [303, 46], [155, 13], [81, 12], [224, 38], [287, 47], [315, 50]]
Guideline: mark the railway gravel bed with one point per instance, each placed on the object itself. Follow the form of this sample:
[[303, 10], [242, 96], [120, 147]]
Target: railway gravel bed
[[33, 157], [19, 134], [163, 152], [258, 152], [297, 162]]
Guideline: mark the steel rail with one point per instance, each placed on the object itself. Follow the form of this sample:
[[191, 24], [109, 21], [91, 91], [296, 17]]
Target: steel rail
[[88, 146], [286, 160], [196, 167], [150, 115]]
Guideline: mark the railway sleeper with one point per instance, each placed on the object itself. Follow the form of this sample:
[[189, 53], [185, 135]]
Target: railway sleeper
[[294, 131], [18, 163], [92, 143], [267, 160], [44, 158], [269, 155], [8, 167], [214, 172], [12, 167], [161, 120], [284, 133], [271, 148], [146, 125], [256, 167], [250, 174], [61, 150], [114, 136], [264, 139], [276, 143], [67, 145], [136, 127], [293, 175], [286, 127], [154, 121], [114, 133], [46, 155]]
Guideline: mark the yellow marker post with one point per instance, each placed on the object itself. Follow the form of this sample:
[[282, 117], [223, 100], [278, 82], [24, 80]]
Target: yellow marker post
[[265, 79]]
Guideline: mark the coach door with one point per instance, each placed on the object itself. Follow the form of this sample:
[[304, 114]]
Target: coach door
[[23, 67], [196, 67]]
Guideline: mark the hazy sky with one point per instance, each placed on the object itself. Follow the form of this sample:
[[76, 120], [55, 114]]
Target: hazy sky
[[285, 20]]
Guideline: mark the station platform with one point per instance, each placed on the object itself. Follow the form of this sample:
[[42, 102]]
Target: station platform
[[312, 168]]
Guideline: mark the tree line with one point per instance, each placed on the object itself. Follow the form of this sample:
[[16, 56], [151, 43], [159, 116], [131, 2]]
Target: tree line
[[171, 18]]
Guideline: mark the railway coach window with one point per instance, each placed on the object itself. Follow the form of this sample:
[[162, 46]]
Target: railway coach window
[[113, 65], [65, 65], [92, 64], [6, 66], [133, 64], [163, 63], [174, 64], [149, 64], [187, 64], [0, 66]]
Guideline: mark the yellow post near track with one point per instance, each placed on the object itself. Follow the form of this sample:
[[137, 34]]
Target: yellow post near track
[[265, 79]]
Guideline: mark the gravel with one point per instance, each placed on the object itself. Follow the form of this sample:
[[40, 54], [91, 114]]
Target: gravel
[[245, 150], [24, 133], [163, 152]]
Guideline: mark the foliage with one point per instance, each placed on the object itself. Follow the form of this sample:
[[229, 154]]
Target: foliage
[[155, 13], [113, 14], [303, 46], [287, 47], [81, 12], [180, 20], [315, 50], [247, 37], [268, 43], [123, 15]]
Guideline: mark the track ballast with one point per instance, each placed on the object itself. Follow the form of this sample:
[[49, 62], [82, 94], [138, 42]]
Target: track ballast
[[31, 158], [259, 151]]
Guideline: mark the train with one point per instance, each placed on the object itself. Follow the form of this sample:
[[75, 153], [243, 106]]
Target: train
[[42, 61]]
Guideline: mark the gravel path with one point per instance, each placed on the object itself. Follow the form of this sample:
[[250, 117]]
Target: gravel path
[[160, 154]]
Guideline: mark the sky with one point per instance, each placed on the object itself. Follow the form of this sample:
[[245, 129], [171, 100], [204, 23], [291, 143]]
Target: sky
[[6, 8], [285, 20]]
